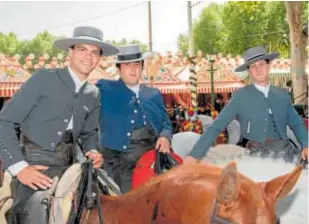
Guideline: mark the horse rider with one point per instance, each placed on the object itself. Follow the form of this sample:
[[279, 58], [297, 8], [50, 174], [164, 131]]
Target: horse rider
[[133, 119], [55, 108], [262, 110]]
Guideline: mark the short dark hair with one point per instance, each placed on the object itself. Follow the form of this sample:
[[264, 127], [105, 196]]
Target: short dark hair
[[267, 62], [118, 64], [101, 51]]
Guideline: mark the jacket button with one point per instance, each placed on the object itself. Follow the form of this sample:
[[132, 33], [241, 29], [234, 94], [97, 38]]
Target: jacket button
[[52, 144], [135, 111], [145, 123], [129, 134], [132, 121], [266, 119], [144, 116], [59, 133], [138, 101], [124, 147], [10, 157], [66, 120]]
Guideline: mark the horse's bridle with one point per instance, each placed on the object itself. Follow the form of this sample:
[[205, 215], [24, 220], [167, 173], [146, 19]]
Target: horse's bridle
[[92, 201], [215, 219]]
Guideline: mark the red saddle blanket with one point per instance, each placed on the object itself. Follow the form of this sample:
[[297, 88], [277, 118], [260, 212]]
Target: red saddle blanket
[[144, 168]]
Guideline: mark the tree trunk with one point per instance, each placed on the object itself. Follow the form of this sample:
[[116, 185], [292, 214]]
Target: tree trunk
[[298, 43]]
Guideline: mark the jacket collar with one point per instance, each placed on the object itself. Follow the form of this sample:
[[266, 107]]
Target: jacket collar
[[65, 76], [126, 88]]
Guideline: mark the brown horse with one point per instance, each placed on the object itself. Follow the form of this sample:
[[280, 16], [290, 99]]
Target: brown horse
[[197, 193]]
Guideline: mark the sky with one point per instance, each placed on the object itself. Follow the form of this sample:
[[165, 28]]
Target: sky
[[117, 19]]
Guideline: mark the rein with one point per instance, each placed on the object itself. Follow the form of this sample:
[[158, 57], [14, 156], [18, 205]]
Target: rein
[[86, 198], [215, 219], [93, 198]]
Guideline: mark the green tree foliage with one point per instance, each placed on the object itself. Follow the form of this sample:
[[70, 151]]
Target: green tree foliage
[[236, 25], [183, 43], [207, 30], [42, 44]]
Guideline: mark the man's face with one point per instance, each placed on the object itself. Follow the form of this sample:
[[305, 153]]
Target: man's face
[[131, 73], [84, 58], [259, 71]]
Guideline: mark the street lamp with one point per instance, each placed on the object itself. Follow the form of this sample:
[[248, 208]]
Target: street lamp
[[212, 59]]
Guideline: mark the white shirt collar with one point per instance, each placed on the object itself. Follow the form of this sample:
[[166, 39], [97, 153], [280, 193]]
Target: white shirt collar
[[135, 89], [263, 89], [77, 81]]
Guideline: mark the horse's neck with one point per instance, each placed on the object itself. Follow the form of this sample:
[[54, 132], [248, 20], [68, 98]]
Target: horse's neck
[[125, 206]]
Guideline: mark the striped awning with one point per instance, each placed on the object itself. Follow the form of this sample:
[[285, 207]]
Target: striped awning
[[166, 89], [219, 87], [8, 89], [201, 88]]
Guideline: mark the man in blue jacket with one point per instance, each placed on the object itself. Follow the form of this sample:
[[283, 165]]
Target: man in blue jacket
[[263, 112], [133, 118]]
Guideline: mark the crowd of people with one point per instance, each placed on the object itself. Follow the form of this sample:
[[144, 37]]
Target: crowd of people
[[179, 113]]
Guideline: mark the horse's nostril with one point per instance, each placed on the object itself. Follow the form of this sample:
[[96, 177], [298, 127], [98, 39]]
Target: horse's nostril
[[278, 221]]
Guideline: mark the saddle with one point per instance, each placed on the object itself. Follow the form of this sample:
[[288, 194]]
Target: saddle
[[151, 164]]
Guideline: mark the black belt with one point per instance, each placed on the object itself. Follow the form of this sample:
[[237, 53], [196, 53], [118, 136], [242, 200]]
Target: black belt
[[63, 155]]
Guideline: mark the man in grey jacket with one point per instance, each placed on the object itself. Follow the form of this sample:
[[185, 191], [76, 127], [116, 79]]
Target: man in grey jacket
[[263, 112], [54, 109]]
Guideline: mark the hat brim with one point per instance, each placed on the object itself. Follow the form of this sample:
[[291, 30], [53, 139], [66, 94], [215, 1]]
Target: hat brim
[[65, 44], [245, 66], [130, 61]]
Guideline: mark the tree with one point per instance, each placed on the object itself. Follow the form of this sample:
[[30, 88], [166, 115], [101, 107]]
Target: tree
[[207, 30], [244, 26], [298, 41], [42, 43], [276, 28], [9, 44], [183, 43], [236, 26]]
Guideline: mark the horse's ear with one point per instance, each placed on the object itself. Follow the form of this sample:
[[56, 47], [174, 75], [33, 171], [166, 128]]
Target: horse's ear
[[280, 186], [229, 184]]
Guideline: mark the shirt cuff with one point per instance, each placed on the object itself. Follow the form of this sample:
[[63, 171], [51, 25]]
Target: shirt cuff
[[17, 167], [93, 150]]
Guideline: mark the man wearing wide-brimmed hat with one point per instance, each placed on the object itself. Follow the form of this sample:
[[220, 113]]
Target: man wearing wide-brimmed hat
[[54, 109], [263, 112], [133, 118]]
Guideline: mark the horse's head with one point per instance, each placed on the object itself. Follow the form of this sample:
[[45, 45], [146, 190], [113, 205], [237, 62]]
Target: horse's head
[[241, 200]]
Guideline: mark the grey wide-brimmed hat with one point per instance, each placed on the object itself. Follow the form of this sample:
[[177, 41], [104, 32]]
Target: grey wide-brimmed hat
[[255, 54], [87, 35], [129, 53]]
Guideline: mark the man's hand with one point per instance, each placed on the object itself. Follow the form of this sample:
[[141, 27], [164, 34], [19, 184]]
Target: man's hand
[[97, 159], [33, 178], [189, 159], [304, 154], [163, 145]]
